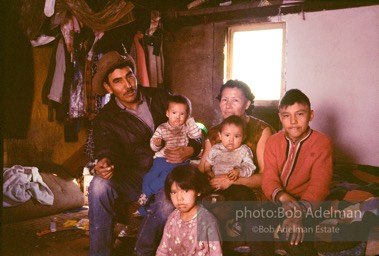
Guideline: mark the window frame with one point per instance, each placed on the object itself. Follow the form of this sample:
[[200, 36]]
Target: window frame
[[228, 67]]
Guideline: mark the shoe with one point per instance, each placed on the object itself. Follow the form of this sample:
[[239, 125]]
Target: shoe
[[233, 228], [142, 200], [137, 215], [127, 231]]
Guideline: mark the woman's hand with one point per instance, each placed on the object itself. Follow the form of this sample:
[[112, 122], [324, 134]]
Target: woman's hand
[[176, 155], [221, 182], [104, 168]]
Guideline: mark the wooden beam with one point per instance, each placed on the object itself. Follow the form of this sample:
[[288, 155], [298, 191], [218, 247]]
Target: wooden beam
[[251, 9]]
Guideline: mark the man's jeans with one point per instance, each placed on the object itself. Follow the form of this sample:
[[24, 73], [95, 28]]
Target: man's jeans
[[101, 197], [152, 226]]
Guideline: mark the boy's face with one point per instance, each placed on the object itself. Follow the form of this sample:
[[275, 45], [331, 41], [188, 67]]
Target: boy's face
[[177, 114], [231, 136], [295, 120]]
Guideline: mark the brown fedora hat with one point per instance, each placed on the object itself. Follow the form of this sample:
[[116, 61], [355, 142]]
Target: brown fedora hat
[[109, 61]]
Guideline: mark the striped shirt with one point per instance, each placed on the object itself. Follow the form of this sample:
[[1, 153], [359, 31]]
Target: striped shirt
[[174, 136]]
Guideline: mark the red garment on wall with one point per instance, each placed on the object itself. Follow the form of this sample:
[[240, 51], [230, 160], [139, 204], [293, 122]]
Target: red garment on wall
[[142, 75]]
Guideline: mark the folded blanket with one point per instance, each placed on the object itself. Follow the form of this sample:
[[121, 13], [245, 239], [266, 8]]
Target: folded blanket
[[21, 183]]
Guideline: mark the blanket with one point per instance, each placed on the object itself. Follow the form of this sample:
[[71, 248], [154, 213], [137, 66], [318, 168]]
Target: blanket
[[354, 199], [22, 183]]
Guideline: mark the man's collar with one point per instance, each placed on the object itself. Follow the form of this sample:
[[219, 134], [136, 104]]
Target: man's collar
[[120, 105]]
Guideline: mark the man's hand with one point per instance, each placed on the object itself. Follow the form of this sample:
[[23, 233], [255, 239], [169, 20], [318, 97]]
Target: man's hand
[[104, 168], [294, 225], [294, 229], [176, 155], [288, 202], [233, 174], [285, 197]]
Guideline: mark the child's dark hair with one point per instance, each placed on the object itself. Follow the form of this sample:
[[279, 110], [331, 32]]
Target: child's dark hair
[[294, 96], [177, 98], [236, 120], [187, 177]]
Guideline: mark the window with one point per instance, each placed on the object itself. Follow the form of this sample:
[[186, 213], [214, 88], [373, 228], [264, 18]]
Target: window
[[255, 55]]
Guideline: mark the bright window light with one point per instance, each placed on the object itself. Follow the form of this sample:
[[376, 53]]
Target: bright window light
[[256, 56]]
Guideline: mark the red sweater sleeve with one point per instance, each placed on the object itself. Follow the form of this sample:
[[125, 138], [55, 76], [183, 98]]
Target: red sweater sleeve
[[271, 183], [321, 173]]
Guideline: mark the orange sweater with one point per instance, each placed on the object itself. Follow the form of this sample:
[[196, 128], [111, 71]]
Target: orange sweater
[[309, 172]]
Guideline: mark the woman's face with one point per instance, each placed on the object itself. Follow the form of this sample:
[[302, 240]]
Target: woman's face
[[233, 102]]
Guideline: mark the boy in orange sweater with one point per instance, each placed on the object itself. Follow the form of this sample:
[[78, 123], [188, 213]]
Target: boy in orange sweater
[[297, 172]]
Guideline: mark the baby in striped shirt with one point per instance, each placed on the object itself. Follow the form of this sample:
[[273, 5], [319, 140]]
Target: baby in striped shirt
[[177, 131]]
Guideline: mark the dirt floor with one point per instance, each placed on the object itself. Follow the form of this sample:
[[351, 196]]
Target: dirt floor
[[27, 238], [31, 237]]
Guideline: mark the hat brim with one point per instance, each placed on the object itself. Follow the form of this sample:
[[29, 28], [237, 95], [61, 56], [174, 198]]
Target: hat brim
[[107, 63]]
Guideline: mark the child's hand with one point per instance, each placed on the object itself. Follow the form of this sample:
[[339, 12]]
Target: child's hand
[[157, 142], [211, 175], [233, 174]]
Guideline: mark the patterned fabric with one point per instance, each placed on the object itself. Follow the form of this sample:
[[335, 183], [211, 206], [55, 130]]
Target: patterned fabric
[[359, 249], [348, 178], [175, 136], [223, 160], [199, 236], [77, 90]]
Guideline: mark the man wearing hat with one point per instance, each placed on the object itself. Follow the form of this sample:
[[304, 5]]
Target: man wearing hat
[[122, 132]]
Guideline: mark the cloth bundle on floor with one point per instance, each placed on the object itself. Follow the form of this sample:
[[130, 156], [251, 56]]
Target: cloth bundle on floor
[[22, 183]]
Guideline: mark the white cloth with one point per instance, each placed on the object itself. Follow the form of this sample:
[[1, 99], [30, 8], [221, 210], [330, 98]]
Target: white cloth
[[42, 40], [223, 160], [56, 89], [21, 183], [49, 8]]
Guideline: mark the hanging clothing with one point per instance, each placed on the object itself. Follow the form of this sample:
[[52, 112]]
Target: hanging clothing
[[142, 75], [98, 36], [56, 89], [67, 30], [155, 66], [155, 17], [77, 91], [155, 58]]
